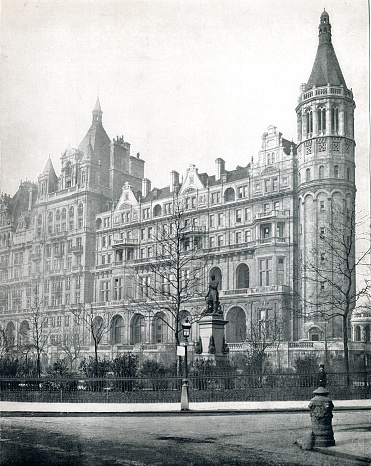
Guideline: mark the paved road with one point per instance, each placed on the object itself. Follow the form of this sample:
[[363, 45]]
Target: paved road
[[242, 439]]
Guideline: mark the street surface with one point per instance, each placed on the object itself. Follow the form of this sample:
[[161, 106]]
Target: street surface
[[239, 439]]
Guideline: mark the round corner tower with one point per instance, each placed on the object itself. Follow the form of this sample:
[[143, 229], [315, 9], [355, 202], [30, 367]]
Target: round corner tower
[[326, 187]]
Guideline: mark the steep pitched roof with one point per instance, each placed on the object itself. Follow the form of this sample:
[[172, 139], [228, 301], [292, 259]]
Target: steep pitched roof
[[326, 68]]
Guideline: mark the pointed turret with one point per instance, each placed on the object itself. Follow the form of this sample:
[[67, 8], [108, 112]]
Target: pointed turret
[[326, 68], [97, 112], [48, 180]]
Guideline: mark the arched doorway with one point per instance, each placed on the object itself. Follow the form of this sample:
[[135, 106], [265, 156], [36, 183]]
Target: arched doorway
[[117, 330], [236, 327], [160, 328], [10, 334], [24, 333], [138, 329]]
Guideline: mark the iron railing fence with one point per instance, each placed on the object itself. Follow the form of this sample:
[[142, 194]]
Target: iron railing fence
[[241, 387]]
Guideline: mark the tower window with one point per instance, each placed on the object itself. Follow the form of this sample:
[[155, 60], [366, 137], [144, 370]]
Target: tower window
[[307, 174], [309, 123], [321, 172], [321, 119], [348, 173], [336, 171], [335, 120]]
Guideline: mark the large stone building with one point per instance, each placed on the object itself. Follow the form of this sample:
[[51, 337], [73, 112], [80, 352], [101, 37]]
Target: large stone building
[[87, 241]]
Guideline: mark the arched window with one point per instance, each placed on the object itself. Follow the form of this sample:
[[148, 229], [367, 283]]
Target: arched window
[[160, 328], [309, 123], [157, 210], [24, 335], [117, 330], [321, 120], [336, 171], [307, 174], [229, 195], [236, 327], [357, 333], [335, 120], [98, 224], [64, 213], [242, 276], [367, 333], [218, 276], [321, 172], [97, 329], [10, 334], [138, 329]]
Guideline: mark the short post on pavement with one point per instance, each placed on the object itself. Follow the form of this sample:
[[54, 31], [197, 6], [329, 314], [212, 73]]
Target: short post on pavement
[[321, 407], [184, 402]]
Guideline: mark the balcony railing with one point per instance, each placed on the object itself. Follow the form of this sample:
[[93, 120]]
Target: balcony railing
[[124, 243], [257, 290]]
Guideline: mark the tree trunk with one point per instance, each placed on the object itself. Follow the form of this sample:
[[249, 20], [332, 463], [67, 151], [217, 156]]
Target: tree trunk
[[346, 352]]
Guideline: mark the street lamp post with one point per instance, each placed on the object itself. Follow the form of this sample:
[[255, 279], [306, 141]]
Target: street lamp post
[[184, 402]]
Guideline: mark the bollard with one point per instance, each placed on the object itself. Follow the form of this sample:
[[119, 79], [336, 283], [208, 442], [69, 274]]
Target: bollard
[[321, 408]]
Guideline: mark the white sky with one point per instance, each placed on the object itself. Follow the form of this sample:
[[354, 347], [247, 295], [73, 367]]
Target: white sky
[[184, 81]]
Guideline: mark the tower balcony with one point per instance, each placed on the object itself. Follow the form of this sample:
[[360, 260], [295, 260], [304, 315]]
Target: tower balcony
[[319, 92]]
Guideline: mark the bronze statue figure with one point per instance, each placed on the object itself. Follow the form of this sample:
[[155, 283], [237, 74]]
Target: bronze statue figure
[[212, 297]]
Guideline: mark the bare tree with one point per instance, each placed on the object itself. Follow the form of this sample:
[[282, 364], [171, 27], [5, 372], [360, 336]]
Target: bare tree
[[72, 340], [34, 337], [87, 316], [174, 274], [265, 331], [330, 272]]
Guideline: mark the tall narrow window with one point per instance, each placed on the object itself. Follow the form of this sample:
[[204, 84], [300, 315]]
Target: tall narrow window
[[321, 120], [307, 174], [335, 120], [336, 171], [321, 172], [309, 123]]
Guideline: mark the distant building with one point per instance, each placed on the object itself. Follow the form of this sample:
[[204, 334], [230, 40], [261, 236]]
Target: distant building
[[86, 237]]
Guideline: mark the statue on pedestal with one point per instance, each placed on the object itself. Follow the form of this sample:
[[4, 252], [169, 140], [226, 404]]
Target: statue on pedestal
[[212, 298]]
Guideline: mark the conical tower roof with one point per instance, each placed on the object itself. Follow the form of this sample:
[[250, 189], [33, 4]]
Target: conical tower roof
[[49, 168], [326, 68]]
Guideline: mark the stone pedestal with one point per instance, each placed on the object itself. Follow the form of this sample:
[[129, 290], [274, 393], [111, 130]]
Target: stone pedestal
[[212, 331], [321, 408]]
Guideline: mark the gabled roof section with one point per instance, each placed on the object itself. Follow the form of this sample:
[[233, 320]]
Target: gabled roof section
[[192, 180], [127, 199], [157, 194], [326, 68]]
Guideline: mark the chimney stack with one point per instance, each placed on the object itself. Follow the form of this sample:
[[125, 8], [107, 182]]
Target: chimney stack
[[220, 168], [146, 187], [174, 180]]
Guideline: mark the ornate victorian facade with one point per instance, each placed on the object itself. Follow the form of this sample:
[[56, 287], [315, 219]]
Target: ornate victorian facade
[[90, 236]]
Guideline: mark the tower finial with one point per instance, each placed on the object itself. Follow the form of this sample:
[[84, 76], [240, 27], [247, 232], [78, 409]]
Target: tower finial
[[97, 112]]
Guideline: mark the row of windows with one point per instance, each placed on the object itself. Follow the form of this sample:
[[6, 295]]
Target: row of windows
[[322, 120], [321, 173]]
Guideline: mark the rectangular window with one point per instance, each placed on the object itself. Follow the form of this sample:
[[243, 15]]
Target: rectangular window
[[215, 198], [242, 192], [220, 220], [266, 208], [238, 216], [274, 184], [280, 271], [66, 321], [59, 321], [105, 291], [247, 214], [211, 221], [247, 236], [118, 289], [220, 240], [68, 283], [322, 232], [238, 237], [267, 186], [280, 229], [265, 271], [212, 241], [276, 205]]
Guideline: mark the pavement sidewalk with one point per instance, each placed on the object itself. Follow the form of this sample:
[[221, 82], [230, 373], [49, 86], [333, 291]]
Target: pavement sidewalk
[[353, 443], [12, 408]]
